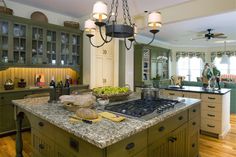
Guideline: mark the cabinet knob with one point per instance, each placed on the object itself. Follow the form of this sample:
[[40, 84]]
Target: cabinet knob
[[2, 97], [162, 128], [41, 124], [193, 145], [194, 123], [41, 146], [172, 139], [181, 117], [130, 146], [194, 110]]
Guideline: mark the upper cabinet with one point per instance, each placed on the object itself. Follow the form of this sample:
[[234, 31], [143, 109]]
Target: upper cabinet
[[24, 42]]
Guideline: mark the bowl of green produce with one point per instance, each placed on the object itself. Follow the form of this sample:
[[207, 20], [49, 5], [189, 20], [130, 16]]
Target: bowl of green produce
[[112, 93]]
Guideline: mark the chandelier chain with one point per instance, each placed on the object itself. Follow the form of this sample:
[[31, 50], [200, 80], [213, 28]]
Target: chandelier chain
[[110, 13], [124, 11], [116, 12], [127, 10]]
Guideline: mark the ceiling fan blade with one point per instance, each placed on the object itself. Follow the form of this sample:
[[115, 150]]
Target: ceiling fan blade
[[197, 38], [218, 34], [222, 37]]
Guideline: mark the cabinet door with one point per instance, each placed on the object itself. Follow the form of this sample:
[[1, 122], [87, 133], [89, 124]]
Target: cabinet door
[[7, 122], [62, 152], [161, 148], [51, 49], [19, 43], [178, 148], [108, 71], [4, 41], [42, 146], [65, 48]]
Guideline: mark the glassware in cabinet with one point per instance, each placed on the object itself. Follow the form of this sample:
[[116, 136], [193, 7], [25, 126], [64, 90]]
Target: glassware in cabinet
[[51, 47], [37, 45], [19, 43], [65, 45], [75, 50], [4, 39]]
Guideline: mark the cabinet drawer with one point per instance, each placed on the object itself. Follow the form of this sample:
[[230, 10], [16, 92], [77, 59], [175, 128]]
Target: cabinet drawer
[[215, 107], [128, 147], [173, 93], [75, 145], [42, 146], [167, 126], [211, 126], [192, 95], [212, 115], [194, 145], [194, 111], [41, 126], [143, 153], [212, 98], [194, 125]]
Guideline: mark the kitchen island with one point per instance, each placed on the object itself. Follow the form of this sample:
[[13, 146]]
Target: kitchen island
[[215, 107], [173, 133]]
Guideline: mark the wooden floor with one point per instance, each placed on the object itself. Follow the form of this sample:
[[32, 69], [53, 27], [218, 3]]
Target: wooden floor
[[209, 147]]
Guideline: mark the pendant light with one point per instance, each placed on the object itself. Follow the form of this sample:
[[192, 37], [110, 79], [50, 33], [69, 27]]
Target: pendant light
[[127, 30], [225, 57]]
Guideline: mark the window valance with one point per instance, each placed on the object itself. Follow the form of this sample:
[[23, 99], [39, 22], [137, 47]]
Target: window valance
[[190, 55], [221, 53]]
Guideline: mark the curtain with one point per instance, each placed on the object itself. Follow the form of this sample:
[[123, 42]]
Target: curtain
[[221, 53], [190, 55]]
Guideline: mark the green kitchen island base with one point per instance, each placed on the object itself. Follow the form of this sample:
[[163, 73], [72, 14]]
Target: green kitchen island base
[[172, 134]]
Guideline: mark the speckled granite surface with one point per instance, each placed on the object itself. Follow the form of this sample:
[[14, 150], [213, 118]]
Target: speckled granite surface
[[100, 134]]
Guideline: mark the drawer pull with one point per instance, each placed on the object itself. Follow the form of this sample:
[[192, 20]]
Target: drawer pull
[[41, 124], [162, 128], [2, 97], [194, 123], [172, 139], [130, 146], [193, 145], [74, 144], [211, 106], [210, 126], [211, 98], [171, 93], [194, 110], [211, 115], [181, 117], [41, 146]]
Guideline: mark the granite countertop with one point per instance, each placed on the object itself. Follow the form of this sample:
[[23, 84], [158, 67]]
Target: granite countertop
[[100, 134], [2, 90], [196, 89]]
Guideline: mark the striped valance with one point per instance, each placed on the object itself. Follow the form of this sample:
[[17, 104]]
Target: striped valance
[[220, 53], [190, 55]]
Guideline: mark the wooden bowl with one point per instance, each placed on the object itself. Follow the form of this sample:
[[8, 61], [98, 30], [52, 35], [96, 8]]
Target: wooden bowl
[[72, 24], [39, 16], [6, 10]]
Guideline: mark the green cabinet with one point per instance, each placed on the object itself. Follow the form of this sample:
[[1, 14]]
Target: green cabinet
[[24, 42], [150, 62]]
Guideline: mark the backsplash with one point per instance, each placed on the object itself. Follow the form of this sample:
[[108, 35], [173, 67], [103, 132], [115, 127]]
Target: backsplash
[[28, 74]]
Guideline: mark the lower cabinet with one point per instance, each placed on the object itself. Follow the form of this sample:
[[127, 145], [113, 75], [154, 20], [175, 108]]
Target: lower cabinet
[[172, 145]]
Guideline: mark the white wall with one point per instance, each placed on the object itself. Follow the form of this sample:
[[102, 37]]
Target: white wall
[[25, 11]]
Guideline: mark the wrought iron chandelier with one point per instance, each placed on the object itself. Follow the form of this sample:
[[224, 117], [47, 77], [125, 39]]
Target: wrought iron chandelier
[[113, 29]]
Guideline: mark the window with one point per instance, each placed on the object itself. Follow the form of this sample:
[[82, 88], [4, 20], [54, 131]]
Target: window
[[226, 68], [191, 68]]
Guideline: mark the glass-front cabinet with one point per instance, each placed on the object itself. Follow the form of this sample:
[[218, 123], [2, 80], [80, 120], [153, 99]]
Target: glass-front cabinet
[[4, 41], [75, 50], [65, 48], [37, 45], [51, 48], [19, 43]]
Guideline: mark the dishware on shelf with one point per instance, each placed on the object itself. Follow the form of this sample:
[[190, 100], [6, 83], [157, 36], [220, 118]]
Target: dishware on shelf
[[49, 38], [16, 31], [22, 83], [4, 29], [53, 62], [36, 36]]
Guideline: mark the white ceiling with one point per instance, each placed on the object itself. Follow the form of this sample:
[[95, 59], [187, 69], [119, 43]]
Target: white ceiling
[[178, 33], [80, 8], [181, 33]]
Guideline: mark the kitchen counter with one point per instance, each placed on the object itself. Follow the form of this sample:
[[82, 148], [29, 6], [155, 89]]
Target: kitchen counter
[[2, 90], [101, 134], [196, 89]]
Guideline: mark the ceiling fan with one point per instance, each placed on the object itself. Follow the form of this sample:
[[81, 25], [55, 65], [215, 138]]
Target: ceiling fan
[[209, 35]]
